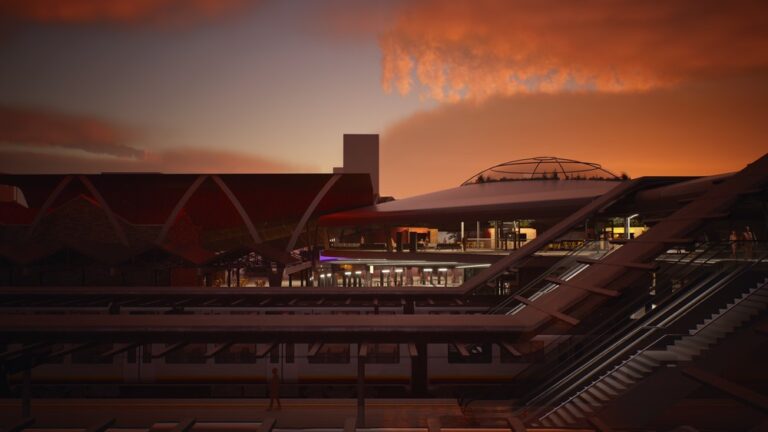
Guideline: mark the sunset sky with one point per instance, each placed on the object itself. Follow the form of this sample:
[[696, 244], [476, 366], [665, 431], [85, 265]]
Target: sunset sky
[[643, 87]]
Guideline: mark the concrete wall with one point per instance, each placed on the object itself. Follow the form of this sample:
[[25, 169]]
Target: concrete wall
[[361, 155]]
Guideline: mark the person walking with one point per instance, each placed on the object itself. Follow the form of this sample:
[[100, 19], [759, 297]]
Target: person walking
[[274, 390], [749, 240], [734, 240]]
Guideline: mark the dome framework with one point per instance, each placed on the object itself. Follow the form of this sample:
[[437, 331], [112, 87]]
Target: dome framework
[[543, 168]]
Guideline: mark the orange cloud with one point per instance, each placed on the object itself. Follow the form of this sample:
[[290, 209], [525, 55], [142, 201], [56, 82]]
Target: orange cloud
[[123, 12], [698, 128], [448, 50], [29, 127]]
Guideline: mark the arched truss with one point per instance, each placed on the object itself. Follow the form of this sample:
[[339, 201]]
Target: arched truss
[[282, 256], [56, 192], [310, 210]]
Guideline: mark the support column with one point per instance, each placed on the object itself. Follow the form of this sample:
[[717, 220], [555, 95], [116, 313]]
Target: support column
[[419, 371], [360, 390], [4, 385], [626, 228], [26, 391], [409, 308], [276, 278]]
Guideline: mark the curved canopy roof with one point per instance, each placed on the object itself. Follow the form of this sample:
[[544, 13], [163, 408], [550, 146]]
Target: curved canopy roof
[[542, 168], [496, 192], [530, 199]]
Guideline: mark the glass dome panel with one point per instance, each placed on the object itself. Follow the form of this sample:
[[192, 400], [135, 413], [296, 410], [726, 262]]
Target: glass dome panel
[[543, 168]]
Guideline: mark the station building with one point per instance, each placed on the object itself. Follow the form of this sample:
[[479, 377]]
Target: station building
[[560, 293]]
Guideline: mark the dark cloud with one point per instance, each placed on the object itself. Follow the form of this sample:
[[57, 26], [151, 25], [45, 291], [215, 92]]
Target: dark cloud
[[215, 161], [28, 127], [192, 160], [119, 11], [35, 141]]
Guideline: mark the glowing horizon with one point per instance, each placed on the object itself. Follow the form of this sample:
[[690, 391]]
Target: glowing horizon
[[452, 88]]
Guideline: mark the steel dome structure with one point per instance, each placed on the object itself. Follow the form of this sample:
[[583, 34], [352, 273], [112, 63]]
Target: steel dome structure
[[543, 168]]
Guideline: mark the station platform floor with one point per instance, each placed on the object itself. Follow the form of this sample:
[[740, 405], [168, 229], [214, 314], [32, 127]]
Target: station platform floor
[[402, 415]]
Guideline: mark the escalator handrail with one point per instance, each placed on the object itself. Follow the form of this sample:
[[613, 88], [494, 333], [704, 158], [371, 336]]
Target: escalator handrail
[[597, 347], [529, 286], [598, 336], [524, 291], [667, 338], [676, 315], [541, 277], [616, 352]]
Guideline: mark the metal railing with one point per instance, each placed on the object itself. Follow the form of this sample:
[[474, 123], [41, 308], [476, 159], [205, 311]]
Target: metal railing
[[565, 268], [602, 355], [664, 340], [619, 322]]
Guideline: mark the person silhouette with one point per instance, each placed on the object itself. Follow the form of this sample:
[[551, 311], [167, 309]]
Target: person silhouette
[[749, 239], [274, 390], [734, 241]]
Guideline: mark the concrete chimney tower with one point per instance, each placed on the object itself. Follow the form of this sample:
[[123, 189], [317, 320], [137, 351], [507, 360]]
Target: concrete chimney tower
[[361, 155]]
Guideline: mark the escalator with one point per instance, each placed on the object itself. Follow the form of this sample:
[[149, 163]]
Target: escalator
[[698, 265], [563, 270], [681, 328]]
